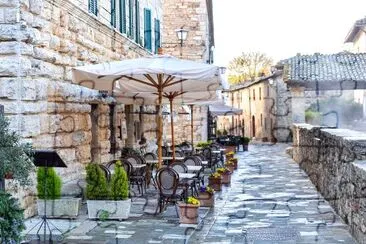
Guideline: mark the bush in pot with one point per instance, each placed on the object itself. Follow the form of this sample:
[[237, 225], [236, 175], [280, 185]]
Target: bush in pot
[[107, 201], [49, 195], [245, 142], [230, 165], [225, 175], [189, 211]]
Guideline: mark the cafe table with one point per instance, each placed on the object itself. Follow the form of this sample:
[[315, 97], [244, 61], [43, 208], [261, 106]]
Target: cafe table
[[193, 168], [171, 158]]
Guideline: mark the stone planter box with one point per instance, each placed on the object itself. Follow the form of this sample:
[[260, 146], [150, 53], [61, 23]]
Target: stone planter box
[[215, 183], [60, 208], [188, 213], [116, 209], [226, 178], [206, 199]]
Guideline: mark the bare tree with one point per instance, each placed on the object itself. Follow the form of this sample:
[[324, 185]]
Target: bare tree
[[249, 66]]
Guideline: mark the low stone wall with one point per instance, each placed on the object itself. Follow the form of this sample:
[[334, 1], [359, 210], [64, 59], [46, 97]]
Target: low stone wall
[[335, 160]]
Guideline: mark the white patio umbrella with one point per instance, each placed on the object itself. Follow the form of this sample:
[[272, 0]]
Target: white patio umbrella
[[176, 98], [157, 74], [221, 109]]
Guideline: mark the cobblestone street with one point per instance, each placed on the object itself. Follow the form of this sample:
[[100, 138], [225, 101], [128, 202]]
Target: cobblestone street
[[270, 200]]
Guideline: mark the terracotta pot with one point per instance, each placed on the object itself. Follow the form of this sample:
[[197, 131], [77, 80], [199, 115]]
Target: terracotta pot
[[230, 149], [226, 178], [235, 161], [230, 167], [215, 183], [188, 213], [228, 157], [8, 176], [206, 199]]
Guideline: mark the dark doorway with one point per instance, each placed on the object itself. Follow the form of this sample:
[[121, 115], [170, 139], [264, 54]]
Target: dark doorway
[[94, 148], [253, 126]]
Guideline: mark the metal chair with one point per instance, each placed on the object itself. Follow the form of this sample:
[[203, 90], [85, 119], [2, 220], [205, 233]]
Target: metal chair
[[150, 156], [138, 176], [167, 180]]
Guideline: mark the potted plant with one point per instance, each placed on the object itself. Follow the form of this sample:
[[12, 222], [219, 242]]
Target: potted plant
[[231, 145], [206, 196], [107, 201], [229, 155], [230, 165], [225, 174], [235, 162], [214, 180], [11, 220], [188, 211], [49, 193], [245, 142]]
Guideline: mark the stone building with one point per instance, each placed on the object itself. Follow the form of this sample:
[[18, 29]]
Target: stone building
[[195, 17], [40, 41], [266, 113]]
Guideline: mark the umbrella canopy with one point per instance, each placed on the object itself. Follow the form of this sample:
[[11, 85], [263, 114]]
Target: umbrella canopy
[[163, 75], [220, 109]]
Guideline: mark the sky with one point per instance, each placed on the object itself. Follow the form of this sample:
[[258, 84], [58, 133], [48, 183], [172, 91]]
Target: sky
[[282, 28]]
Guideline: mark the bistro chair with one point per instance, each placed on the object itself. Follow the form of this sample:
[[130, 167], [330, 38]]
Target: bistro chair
[[150, 156], [106, 172], [167, 180], [179, 154]]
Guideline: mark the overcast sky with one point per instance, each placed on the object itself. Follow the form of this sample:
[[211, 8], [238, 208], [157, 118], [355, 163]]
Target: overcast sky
[[282, 28]]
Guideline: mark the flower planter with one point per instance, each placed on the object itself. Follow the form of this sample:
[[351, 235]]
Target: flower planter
[[230, 167], [116, 209], [226, 178], [60, 208], [228, 157], [230, 149], [245, 147], [215, 183], [188, 213], [206, 199], [235, 161]]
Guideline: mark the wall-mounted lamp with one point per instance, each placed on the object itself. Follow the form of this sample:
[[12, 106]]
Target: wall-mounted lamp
[[182, 36], [222, 70]]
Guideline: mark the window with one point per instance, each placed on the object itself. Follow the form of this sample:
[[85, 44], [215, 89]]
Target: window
[[261, 120], [131, 19], [137, 27], [113, 13], [260, 93], [253, 94], [157, 34], [147, 29], [122, 16], [93, 7]]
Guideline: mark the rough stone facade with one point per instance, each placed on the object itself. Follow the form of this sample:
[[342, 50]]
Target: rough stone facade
[[335, 161], [195, 16], [267, 112], [40, 41]]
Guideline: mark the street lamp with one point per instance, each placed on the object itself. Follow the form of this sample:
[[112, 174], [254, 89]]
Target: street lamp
[[182, 36]]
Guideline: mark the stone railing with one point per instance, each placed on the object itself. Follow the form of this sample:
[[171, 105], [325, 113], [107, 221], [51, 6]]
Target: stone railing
[[335, 161]]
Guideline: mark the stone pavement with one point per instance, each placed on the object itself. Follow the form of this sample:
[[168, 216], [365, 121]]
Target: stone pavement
[[270, 200]]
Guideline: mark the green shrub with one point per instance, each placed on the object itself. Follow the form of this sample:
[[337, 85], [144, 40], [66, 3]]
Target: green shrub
[[97, 187], [204, 144], [119, 183], [11, 219], [244, 140], [49, 186], [224, 133]]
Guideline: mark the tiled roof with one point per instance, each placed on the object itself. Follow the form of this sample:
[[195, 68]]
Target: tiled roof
[[325, 68], [359, 24]]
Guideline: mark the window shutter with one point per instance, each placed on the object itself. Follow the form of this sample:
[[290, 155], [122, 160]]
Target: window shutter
[[131, 19], [147, 29], [137, 12], [157, 34], [113, 13], [93, 7], [122, 16]]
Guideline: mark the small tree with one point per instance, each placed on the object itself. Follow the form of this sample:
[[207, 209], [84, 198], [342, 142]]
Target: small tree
[[15, 157], [48, 187], [119, 183], [97, 187], [11, 219]]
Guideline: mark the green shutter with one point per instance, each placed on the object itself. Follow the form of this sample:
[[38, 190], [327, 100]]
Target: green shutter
[[122, 16], [113, 13], [131, 19], [137, 12], [157, 34], [147, 29], [93, 6]]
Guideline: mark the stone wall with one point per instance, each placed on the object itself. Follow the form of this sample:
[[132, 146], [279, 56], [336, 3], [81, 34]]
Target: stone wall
[[335, 160], [40, 42]]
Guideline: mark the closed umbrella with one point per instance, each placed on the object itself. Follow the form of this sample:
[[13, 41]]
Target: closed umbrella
[[157, 74]]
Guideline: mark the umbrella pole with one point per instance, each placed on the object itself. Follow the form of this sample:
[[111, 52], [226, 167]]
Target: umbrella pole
[[172, 126], [160, 129], [191, 124]]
